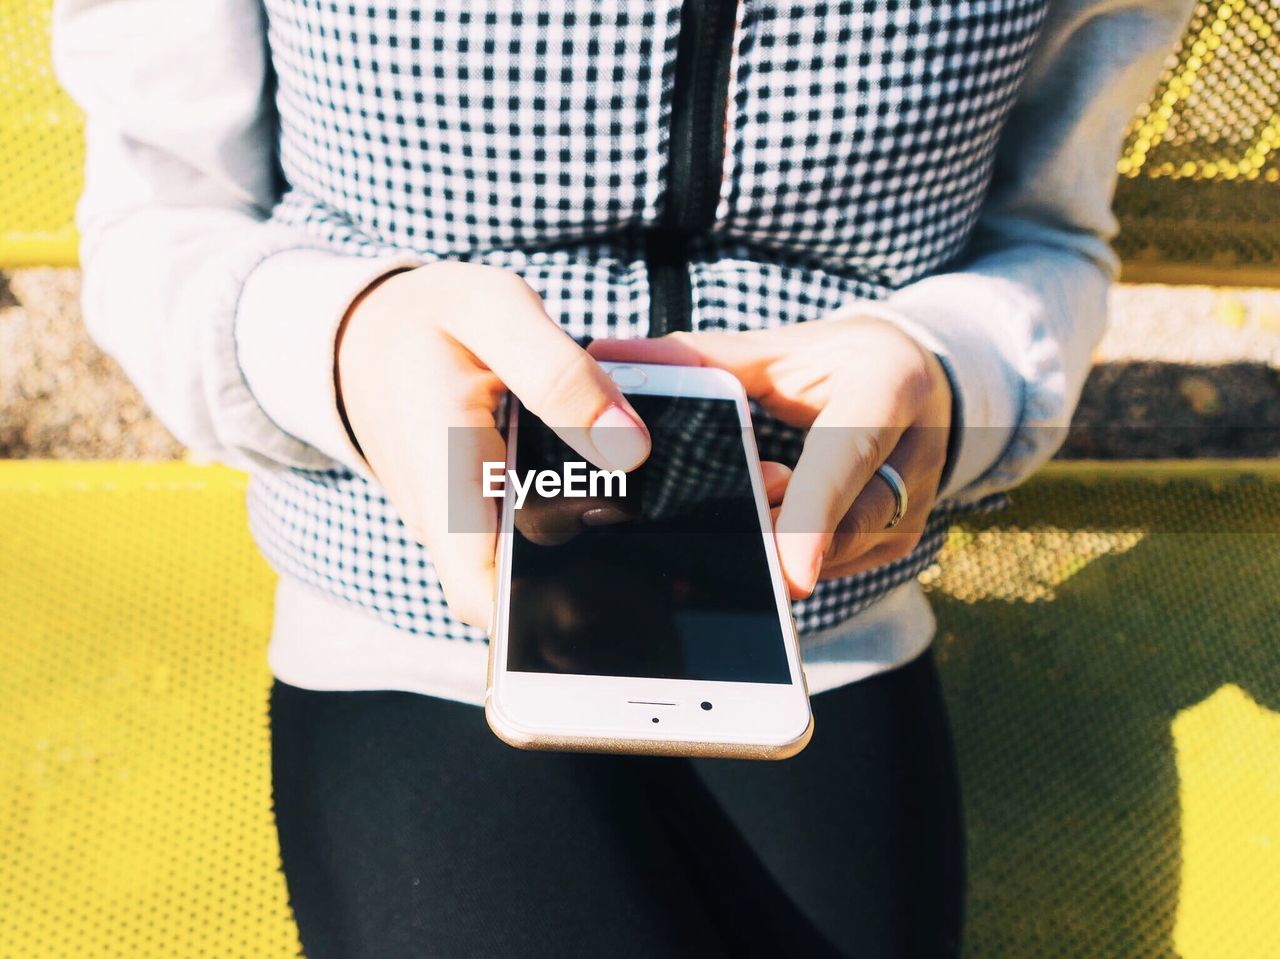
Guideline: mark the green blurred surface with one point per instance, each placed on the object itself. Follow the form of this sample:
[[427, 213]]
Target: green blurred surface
[[1075, 626]]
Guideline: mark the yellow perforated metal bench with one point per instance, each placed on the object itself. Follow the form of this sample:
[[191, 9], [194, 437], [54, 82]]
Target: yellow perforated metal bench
[[1110, 647], [41, 148]]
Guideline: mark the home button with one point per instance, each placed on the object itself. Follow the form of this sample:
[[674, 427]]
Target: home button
[[628, 377]]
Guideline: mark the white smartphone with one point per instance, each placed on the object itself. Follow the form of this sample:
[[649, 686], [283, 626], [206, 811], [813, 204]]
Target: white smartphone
[[645, 612]]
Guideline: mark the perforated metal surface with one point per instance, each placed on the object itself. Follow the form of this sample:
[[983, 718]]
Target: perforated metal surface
[[41, 149], [135, 816], [1200, 182], [1110, 647], [1111, 652]]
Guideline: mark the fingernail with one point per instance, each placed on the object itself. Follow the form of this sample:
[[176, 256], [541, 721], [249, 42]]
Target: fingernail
[[620, 438], [603, 516], [807, 549]]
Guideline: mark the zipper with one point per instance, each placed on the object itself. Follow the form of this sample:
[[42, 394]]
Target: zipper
[[695, 158]]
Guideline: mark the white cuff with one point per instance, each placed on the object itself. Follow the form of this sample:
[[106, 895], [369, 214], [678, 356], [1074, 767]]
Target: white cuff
[[286, 326], [962, 319]]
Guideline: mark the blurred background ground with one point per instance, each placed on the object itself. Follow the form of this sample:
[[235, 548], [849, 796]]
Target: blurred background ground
[[60, 397], [1183, 371]]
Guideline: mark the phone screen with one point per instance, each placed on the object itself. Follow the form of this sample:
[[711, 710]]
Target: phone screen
[[674, 585]]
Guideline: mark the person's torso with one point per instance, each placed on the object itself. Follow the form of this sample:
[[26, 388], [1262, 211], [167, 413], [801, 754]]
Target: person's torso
[[645, 166]]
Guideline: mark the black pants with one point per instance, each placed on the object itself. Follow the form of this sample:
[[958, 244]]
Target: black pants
[[407, 829]]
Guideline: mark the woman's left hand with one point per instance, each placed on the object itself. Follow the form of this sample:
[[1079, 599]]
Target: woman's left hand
[[868, 394]]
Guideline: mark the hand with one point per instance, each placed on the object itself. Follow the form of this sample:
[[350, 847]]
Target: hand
[[868, 394], [427, 350]]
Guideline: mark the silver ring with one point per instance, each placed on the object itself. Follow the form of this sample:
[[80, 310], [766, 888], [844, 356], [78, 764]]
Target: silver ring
[[894, 479]]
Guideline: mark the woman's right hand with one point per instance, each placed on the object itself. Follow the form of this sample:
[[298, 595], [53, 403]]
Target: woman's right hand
[[423, 359]]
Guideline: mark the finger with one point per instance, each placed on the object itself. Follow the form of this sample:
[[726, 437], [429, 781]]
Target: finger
[[776, 476], [458, 528], [559, 382], [883, 552], [745, 354], [838, 459], [663, 350], [832, 471], [412, 397], [871, 559], [753, 357], [918, 459], [864, 526]]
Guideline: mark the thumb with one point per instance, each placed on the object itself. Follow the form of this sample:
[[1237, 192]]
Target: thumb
[[560, 383]]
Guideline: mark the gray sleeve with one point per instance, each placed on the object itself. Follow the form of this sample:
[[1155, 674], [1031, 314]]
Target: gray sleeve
[[180, 180], [1016, 321]]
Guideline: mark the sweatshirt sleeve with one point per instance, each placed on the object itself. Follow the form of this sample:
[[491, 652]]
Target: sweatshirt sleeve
[[1016, 320], [224, 320]]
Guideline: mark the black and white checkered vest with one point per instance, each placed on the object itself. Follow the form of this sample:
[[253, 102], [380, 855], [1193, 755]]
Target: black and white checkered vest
[[787, 156]]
